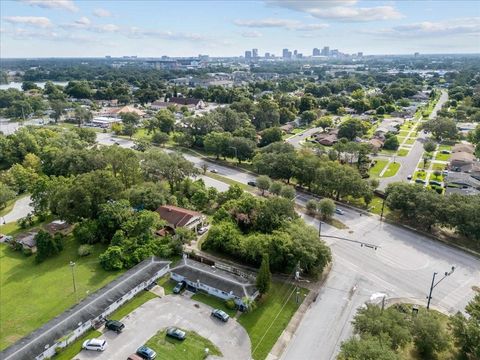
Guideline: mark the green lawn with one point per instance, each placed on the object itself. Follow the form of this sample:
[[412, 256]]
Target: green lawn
[[439, 167], [378, 167], [436, 178], [75, 347], [192, 348], [273, 313], [391, 170], [403, 133], [420, 174], [134, 303], [402, 152], [442, 157], [376, 206], [400, 139], [445, 147], [229, 181], [410, 141], [387, 152], [214, 302], [48, 283], [167, 284]]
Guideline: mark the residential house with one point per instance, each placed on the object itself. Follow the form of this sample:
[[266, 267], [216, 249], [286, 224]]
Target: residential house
[[376, 143], [326, 139], [217, 280], [159, 105], [58, 226], [462, 161], [287, 128], [179, 217], [118, 111], [64, 329], [463, 147], [190, 103], [27, 241]]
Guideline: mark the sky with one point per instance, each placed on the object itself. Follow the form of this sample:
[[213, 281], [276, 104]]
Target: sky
[[88, 28]]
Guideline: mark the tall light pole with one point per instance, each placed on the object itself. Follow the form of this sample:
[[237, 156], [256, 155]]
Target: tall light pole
[[319, 228], [72, 266], [434, 284]]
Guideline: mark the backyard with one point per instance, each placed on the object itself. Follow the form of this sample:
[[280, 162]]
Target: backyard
[[49, 284]]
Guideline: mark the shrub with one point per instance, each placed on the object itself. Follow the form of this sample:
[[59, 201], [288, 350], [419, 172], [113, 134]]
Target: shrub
[[85, 250], [230, 304]]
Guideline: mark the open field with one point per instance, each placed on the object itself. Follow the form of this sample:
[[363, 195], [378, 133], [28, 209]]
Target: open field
[[49, 284], [378, 167], [273, 313]]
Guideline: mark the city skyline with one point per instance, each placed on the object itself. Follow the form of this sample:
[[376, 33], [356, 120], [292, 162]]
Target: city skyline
[[56, 28]]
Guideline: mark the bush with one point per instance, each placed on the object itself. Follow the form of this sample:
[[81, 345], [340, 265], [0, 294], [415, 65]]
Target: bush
[[312, 206], [85, 250], [230, 304]]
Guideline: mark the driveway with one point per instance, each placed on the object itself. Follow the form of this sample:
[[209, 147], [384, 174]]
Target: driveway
[[156, 314], [20, 209]]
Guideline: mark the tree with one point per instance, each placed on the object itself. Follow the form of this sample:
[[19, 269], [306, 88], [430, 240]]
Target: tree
[[429, 336], [351, 128], [312, 206], [270, 135], [307, 102], [288, 192], [82, 115], [124, 164], [324, 122], [441, 128], [308, 117], [86, 232], [130, 121], [466, 331], [429, 146], [160, 138], [326, 208], [367, 348], [391, 142], [276, 187], [263, 183], [79, 89], [6, 194], [47, 245], [266, 114], [217, 143], [112, 258], [264, 277], [242, 148], [58, 109], [166, 121]]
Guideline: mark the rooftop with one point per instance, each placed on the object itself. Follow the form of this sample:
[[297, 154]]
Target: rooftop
[[176, 216]]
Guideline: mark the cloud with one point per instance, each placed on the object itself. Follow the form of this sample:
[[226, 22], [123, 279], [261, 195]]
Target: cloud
[[279, 23], [251, 34], [464, 26], [105, 28], [99, 12], [28, 34], [341, 10], [136, 32], [53, 4], [35, 21], [83, 21]]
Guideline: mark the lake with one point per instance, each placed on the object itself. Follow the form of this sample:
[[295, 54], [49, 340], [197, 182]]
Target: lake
[[18, 85]]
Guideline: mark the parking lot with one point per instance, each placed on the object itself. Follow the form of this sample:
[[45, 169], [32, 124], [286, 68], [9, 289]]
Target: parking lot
[[173, 310]]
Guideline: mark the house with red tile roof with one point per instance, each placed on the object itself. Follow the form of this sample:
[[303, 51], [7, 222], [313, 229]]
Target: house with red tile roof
[[179, 217]]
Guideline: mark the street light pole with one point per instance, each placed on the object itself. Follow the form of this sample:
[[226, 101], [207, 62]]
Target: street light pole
[[434, 284], [72, 266], [319, 228]]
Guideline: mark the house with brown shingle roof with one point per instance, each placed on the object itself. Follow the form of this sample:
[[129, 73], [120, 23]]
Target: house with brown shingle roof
[[179, 217]]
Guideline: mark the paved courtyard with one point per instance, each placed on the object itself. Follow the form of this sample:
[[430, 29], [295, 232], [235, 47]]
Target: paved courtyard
[[173, 310]]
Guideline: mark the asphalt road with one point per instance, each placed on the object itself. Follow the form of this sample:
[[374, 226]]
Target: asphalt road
[[297, 139], [157, 314], [20, 209], [402, 267]]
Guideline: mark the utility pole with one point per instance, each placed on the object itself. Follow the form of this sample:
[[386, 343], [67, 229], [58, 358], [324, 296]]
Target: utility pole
[[383, 206], [319, 228], [72, 266], [434, 284], [297, 277]]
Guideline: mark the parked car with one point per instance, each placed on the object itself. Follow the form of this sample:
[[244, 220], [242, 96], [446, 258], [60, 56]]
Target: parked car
[[179, 287], [214, 171], [252, 183], [146, 353], [134, 357], [409, 177], [5, 238], [420, 181], [220, 314], [202, 230], [445, 152], [95, 344], [433, 182], [115, 325], [176, 333], [339, 211]]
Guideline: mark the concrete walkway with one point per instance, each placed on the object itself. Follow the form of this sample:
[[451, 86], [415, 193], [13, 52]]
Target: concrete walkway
[[173, 310]]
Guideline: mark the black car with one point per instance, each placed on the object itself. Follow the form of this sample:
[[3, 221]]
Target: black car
[[179, 287], [420, 181], [220, 314], [146, 353], [176, 333], [114, 325], [252, 183]]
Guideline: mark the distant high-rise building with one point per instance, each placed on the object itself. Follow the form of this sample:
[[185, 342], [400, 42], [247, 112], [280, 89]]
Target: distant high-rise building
[[267, 55], [326, 51], [295, 52], [248, 54], [316, 52], [285, 53], [360, 54], [334, 52], [255, 53], [416, 54]]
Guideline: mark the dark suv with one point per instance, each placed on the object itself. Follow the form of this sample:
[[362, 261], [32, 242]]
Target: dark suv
[[114, 325], [179, 287]]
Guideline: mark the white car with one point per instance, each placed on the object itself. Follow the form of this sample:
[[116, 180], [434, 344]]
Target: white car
[[95, 344], [202, 230]]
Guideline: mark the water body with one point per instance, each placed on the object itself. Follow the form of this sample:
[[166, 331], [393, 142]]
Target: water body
[[9, 127], [18, 85]]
